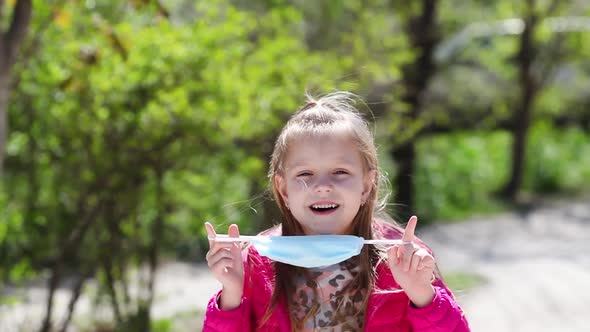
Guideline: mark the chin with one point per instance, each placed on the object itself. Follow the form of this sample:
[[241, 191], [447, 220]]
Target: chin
[[334, 231], [319, 231]]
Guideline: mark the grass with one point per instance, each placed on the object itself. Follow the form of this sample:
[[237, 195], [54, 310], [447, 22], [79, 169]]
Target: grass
[[463, 281]]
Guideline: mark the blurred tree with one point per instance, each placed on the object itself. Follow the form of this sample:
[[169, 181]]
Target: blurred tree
[[140, 115], [136, 121], [422, 29], [10, 42], [531, 81]]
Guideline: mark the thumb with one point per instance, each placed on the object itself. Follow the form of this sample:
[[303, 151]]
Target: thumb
[[210, 232], [233, 231]]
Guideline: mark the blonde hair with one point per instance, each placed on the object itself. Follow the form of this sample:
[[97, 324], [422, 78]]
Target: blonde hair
[[332, 114]]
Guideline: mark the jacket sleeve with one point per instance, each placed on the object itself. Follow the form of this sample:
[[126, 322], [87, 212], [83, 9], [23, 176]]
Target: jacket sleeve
[[442, 315], [217, 320], [236, 320]]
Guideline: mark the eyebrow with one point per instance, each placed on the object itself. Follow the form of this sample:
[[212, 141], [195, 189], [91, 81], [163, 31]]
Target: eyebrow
[[341, 162]]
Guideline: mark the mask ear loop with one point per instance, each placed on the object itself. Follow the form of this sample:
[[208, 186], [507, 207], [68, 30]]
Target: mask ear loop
[[387, 241], [227, 238], [250, 238]]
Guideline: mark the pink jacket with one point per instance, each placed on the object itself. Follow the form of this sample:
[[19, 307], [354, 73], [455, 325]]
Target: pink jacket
[[385, 312]]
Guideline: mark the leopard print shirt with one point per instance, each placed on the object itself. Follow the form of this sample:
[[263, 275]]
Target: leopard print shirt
[[336, 307]]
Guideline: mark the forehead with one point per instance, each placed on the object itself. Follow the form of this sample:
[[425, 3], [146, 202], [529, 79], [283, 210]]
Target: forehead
[[322, 150]]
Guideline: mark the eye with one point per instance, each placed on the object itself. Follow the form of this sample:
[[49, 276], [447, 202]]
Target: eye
[[341, 171], [303, 174]]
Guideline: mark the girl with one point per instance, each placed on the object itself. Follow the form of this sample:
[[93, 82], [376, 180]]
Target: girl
[[325, 179]]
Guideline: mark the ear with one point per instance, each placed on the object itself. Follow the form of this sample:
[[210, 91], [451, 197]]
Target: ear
[[281, 186], [369, 184]]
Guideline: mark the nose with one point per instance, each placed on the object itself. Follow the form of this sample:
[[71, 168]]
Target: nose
[[323, 185]]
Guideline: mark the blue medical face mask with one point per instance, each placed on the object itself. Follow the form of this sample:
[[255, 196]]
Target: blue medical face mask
[[307, 250]]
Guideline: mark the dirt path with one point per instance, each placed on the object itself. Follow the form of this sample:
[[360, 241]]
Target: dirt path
[[537, 267]]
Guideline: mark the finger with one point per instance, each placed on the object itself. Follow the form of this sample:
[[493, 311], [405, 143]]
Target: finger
[[219, 249], [407, 252], [427, 262], [219, 255], [416, 259], [392, 255], [222, 266], [216, 247], [210, 232], [410, 229]]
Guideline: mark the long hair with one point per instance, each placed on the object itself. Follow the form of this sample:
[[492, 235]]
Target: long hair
[[334, 113]]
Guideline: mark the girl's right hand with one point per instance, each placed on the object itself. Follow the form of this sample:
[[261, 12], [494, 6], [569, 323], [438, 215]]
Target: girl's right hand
[[225, 262]]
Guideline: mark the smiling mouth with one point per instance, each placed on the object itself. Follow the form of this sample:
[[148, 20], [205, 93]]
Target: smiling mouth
[[323, 208]]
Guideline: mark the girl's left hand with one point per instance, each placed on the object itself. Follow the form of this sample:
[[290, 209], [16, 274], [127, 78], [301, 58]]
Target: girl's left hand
[[413, 267]]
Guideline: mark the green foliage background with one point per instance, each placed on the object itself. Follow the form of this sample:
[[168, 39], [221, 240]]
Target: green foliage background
[[125, 118]]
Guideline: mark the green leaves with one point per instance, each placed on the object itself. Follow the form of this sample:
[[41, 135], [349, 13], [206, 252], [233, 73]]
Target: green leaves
[[558, 160], [460, 171], [124, 116]]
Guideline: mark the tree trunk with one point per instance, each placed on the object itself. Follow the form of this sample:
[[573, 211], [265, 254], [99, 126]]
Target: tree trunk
[[10, 42], [522, 117], [4, 95], [111, 288], [423, 35], [144, 312], [76, 292], [54, 280], [405, 158], [70, 245]]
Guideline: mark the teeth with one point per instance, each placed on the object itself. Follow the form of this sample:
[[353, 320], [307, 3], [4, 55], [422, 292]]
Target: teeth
[[324, 206]]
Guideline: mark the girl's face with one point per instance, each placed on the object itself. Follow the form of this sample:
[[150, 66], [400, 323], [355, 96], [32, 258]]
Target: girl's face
[[324, 184]]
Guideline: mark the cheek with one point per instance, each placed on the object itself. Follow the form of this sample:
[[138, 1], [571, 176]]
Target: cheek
[[351, 185], [296, 186], [302, 185]]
